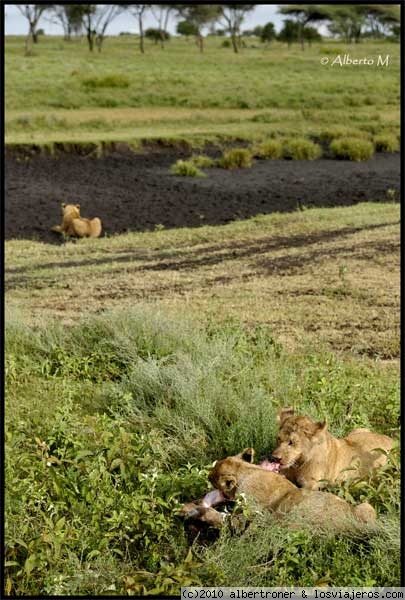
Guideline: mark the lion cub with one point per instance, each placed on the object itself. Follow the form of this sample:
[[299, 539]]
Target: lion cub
[[311, 457], [73, 224], [272, 491]]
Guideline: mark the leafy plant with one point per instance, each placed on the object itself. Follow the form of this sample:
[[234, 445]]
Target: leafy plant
[[237, 158], [271, 149], [352, 149], [186, 168], [301, 149], [386, 143]]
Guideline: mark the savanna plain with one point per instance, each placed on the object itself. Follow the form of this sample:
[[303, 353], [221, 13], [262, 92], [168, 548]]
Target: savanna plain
[[134, 361]]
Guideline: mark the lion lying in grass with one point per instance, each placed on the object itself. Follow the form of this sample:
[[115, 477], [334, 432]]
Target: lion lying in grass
[[310, 456], [74, 225], [237, 475]]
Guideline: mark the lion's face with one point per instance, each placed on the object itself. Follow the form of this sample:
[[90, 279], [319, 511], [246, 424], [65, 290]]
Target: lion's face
[[71, 211], [296, 438], [223, 476]]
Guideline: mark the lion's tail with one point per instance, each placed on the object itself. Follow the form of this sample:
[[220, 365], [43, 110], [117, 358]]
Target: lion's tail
[[95, 227]]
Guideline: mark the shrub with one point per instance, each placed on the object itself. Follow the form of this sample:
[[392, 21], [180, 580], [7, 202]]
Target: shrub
[[352, 149], [108, 81], [386, 143], [272, 149], [301, 149], [238, 158], [186, 168], [202, 161], [226, 44]]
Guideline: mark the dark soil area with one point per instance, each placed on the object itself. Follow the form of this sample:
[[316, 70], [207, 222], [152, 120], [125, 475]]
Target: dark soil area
[[136, 192]]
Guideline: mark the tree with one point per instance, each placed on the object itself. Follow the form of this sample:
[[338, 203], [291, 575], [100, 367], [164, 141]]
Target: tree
[[152, 33], [69, 16], [351, 21], [268, 33], [200, 16], [289, 32], [257, 31], [311, 34], [139, 10], [186, 28], [96, 18], [33, 12], [233, 16], [161, 12], [304, 14]]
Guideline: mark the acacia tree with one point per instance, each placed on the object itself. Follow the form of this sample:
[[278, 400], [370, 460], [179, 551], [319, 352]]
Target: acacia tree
[[232, 16], [139, 11], [33, 12], [161, 13], [69, 16], [200, 16], [96, 18], [304, 14]]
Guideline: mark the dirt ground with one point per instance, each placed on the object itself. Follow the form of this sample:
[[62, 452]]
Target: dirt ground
[[136, 192]]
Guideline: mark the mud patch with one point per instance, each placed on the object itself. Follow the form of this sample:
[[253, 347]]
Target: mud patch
[[136, 192]]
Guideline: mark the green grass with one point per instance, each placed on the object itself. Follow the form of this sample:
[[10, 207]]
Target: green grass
[[352, 148], [386, 143], [134, 406], [186, 168], [254, 95], [237, 158], [301, 149]]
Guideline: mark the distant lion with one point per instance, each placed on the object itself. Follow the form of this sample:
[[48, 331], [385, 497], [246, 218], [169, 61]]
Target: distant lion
[[74, 225], [310, 456]]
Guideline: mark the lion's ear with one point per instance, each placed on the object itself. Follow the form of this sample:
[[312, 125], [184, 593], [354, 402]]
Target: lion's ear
[[228, 483], [78, 206], [248, 455], [322, 425], [283, 414], [320, 428], [63, 205]]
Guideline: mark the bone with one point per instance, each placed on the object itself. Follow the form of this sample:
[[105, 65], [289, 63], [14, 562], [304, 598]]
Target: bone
[[213, 498]]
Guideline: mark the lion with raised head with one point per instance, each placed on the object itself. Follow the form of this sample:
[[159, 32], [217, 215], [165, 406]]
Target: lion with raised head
[[310, 456], [75, 225], [270, 490]]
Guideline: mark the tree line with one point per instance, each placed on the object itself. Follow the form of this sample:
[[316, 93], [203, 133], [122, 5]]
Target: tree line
[[349, 22]]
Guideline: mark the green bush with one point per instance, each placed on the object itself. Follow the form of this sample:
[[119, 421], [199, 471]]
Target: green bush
[[202, 161], [186, 168], [386, 143], [301, 149], [108, 81], [272, 149], [237, 158], [352, 149]]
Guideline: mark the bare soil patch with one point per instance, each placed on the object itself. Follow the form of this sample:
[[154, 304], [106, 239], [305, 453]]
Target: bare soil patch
[[136, 192]]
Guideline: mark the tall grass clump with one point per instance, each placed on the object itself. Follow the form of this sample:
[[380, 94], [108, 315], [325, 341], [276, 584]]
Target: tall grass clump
[[386, 143], [301, 149], [271, 149], [237, 158], [352, 149], [202, 161], [106, 81], [186, 168], [114, 421]]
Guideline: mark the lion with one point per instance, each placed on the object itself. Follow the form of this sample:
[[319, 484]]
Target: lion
[[310, 457], [73, 224], [269, 490]]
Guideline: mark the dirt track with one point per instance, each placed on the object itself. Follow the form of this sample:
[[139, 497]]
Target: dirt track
[[136, 192]]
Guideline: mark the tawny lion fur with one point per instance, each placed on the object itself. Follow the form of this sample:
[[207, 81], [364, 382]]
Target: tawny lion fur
[[274, 492], [75, 225], [311, 457]]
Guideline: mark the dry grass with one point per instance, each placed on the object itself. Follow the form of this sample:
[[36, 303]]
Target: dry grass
[[329, 275]]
